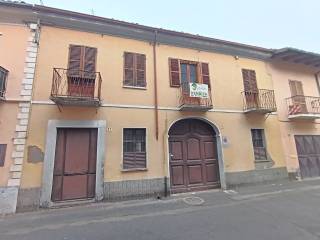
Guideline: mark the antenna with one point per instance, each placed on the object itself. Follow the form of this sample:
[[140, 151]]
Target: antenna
[[92, 11]]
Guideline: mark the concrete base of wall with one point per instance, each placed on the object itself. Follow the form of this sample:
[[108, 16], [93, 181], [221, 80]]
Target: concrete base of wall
[[294, 175], [8, 200], [134, 189], [28, 199], [256, 176]]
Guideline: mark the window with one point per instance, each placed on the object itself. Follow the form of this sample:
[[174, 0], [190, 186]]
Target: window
[[182, 71], [188, 73], [259, 145], [298, 100], [3, 148], [82, 61], [3, 81], [296, 88], [134, 148], [249, 80], [81, 71], [134, 70]]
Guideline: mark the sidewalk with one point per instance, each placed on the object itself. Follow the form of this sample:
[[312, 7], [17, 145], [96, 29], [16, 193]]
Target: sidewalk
[[259, 205]]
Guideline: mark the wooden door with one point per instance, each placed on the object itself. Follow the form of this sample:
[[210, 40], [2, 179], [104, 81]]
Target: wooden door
[[193, 157], [308, 149], [74, 173], [250, 88]]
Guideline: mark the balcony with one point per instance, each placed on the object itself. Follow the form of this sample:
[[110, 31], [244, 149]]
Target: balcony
[[259, 101], [303, 107], [195, 97], [3, 82], [76, 88]]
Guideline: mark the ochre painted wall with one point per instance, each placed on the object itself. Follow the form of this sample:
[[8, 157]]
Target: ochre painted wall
[[226, 80], [13, 44]]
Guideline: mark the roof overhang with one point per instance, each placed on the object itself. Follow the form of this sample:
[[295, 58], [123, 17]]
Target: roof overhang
[[297, 56]]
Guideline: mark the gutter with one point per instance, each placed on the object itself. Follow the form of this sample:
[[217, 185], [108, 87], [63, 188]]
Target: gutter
[[156, 109]]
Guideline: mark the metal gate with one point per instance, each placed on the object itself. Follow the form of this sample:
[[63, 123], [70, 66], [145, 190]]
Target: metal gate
[[308, 149]]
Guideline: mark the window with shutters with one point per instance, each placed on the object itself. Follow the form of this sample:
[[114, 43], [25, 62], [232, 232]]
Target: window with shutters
[[3, 81], [134, 148], [299, 103], [259, 146], [134, 70], [183, 71], [82, 61], [3, 148], [296, 88]]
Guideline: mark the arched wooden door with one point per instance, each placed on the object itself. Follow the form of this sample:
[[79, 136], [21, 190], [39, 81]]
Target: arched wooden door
[[193, 156]]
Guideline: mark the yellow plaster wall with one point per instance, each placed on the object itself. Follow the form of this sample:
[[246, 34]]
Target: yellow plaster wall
[[8, 116], [13, 44]]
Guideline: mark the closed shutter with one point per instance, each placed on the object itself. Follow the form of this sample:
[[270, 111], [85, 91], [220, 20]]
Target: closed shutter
[[3, 148], [75, 60], [205, 73], [128, 69], [249, 80], [140, 68], [296, 88], [89, 61], [174, 70], [82, 61], [134, 69], [297, 94]]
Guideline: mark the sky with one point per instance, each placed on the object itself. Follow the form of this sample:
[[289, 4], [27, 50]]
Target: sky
[[264, 23]]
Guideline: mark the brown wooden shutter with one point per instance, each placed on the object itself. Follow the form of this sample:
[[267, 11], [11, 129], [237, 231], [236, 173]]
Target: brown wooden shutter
[[89, 61], [174, 69], [205, 73], [75, 60], [82, 59], [128, 69], [249, 80], [140, 68], [3, 148]]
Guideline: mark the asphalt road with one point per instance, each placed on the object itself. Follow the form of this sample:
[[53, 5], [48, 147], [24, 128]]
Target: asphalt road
[[278, 212]]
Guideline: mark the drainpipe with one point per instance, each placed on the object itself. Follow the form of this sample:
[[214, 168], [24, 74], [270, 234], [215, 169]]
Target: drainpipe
[[316, 75], [155, 84]]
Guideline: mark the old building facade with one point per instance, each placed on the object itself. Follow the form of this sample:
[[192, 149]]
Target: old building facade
[[120, 111]]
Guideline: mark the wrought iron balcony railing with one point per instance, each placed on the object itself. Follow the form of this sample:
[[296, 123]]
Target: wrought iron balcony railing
[[191, 102], [3, 82], [260, 100], [303, 107], [73, 87]]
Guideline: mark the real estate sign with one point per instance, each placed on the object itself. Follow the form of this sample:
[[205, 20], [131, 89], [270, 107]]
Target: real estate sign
[[198, 90]]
